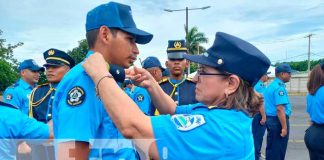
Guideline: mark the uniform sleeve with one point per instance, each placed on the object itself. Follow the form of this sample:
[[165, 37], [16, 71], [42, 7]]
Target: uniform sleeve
[[78, 111], [172, 143], [281, 96], [10, 96], [32, 129], [187, 109]]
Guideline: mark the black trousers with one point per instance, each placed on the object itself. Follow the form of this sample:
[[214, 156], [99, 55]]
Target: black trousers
[[314, 140]]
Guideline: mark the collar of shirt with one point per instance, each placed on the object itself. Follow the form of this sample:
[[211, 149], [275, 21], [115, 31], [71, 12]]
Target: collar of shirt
[[90, 52], [279, 81], [25, 85], [174, 81]]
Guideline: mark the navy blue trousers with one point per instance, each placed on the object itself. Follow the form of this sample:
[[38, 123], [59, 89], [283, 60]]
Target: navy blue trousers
[[258, 133], [276, 145], [314, 140]]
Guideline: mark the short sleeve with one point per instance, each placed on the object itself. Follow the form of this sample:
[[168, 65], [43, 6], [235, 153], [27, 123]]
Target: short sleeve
[[187, 109], [281, 96], [10, 96], [32, 129], [77, 110]]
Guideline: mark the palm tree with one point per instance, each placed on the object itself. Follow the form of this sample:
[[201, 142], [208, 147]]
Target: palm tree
[[193, 40]]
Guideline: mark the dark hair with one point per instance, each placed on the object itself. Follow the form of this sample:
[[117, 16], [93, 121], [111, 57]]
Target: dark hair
[[316, 79], [93, 34], [244, 99]]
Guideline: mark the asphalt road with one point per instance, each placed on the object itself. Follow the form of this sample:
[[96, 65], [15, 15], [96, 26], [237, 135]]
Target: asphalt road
[[298, 124]]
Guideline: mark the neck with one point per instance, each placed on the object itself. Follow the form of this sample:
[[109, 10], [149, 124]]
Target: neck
[[31, 84], [102, 51], [177, 77]]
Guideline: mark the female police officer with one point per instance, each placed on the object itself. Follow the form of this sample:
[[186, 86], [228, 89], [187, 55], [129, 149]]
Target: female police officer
[[218, 127], [314, 139]]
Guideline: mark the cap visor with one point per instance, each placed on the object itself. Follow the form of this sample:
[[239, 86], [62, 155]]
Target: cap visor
[[53, 64], [201, 59], [39, 69], [141, 37]]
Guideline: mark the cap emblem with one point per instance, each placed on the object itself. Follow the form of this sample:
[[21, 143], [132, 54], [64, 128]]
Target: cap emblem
[[177, 44], [51, 52]]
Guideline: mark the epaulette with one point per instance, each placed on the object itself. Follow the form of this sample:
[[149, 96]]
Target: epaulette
[[7, 105], [14, 85], [165, 79], [189, 79], [281, 84]]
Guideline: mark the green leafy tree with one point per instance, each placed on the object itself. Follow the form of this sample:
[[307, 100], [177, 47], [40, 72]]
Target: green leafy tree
[[8, 64], [79, 53], [194, 39]]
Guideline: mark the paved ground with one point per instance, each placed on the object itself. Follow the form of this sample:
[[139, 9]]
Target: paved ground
[[299, 123]]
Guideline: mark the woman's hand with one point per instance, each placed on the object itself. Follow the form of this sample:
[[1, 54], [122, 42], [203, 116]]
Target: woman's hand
[[95, 66], [140, 77]]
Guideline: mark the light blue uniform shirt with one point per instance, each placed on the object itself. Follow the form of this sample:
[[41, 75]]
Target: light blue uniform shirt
[[197, 132], [260, 87], [18, 95], [15, 125], [315, 106], [79, 115], [276, 94], [142, 98]]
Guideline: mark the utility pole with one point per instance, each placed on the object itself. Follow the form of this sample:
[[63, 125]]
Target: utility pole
[[187, 9], [309, 42]]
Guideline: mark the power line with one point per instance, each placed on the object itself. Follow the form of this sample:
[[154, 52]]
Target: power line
[[300, 55]]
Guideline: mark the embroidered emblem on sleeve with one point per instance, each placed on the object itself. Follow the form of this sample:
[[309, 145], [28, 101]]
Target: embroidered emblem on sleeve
[[140, 98], [9, 97], [187, 122], [281, 93], [75, 96]]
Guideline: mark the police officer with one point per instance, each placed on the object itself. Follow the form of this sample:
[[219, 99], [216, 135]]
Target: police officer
[[217, 128], [140, 96], [177, 86], [314, 138], [258, 123], [58, 63], [278, 110], [79, 116], [18, 94], [153, 65], [16, 126]]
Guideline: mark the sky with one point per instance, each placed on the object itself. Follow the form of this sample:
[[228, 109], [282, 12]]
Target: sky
[[278, 28]]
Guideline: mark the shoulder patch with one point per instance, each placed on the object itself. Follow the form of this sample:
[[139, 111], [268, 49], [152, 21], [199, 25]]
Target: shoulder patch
[[9, 97], [76, 96], [187, 122], [163, 80], [140, 98], [281, 93]]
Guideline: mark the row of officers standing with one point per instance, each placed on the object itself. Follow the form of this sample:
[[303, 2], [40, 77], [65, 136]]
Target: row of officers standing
[[203, 130]]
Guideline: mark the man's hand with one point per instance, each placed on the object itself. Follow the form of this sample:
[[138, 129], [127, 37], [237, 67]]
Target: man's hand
[[263, 120], [24, 148], [283, 133]]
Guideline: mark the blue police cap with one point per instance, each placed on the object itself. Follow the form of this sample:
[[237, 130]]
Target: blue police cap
[[284, 67], [55, 57], [176, 49], [236, 56], [116, 15], [166, 73], [128, 81], [151, 62], [30, 64]]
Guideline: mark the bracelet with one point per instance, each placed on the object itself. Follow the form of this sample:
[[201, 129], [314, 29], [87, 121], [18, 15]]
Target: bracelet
[[97, 85]]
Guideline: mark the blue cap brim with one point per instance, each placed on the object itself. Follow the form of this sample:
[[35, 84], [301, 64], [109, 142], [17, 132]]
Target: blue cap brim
[[201, 59], [38, 69], [141, 37]]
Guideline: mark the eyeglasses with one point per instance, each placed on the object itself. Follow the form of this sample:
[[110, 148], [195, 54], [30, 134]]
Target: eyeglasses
[[201, 73]]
